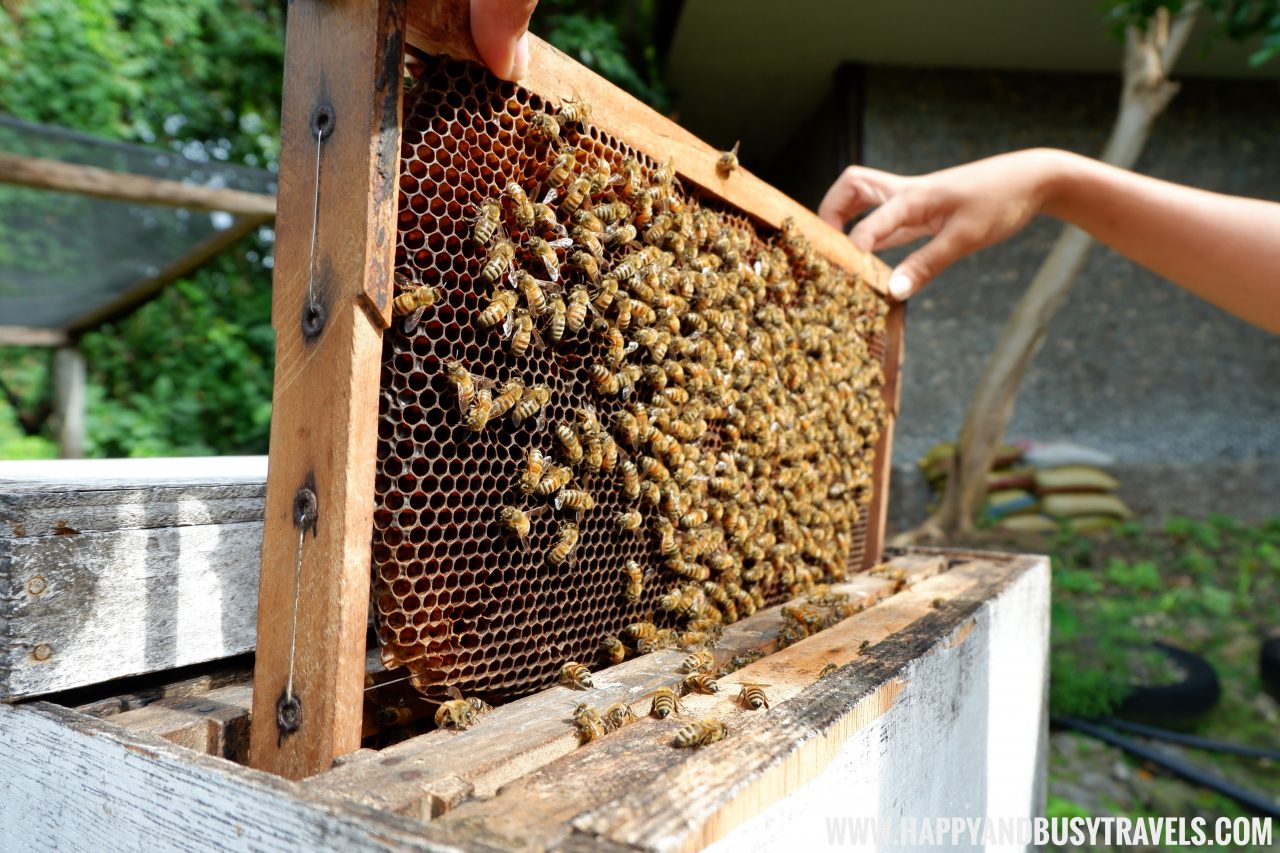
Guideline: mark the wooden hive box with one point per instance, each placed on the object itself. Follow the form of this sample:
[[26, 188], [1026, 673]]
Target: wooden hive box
[[938, 674]]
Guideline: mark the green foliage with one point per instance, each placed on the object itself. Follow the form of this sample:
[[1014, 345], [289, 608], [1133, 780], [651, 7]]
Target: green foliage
[[612, 37], [1211, 585], [190, 373], [1236, 20]]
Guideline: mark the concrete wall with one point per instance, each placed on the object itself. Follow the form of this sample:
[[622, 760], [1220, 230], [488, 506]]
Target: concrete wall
[[1133, 365]]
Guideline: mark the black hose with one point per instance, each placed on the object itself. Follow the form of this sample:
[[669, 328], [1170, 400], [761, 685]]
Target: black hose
[[1252, 800], [1190, 740]]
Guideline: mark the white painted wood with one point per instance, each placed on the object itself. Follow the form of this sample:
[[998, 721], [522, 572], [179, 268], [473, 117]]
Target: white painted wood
[[123, 603], [967, 738], [117, 567], [70, 783], [68, 401]]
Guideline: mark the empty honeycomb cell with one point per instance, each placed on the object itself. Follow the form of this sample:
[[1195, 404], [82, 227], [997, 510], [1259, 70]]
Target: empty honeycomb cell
[[488, 613]]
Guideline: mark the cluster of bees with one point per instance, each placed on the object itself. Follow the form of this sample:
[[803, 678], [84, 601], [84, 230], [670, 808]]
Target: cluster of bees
[[697, 666], [707, 332], [735, 400]]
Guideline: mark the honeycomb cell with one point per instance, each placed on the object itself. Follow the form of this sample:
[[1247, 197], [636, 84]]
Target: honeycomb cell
[[479, 608]]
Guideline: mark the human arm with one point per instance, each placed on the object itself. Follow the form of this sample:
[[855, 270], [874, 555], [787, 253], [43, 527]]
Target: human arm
[[500, 29], [1222, 248]]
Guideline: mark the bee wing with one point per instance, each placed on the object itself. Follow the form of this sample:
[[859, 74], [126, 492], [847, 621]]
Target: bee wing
[[453, 692], [562, 243], [483, 382], [550, 196], [411, 322]]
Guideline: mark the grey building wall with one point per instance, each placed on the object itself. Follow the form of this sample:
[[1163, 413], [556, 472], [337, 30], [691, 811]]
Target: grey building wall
[[1133, 365]]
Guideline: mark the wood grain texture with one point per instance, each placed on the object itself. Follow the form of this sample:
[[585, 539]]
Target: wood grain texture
[[79, 608], [632, 790], [72, 783], [344, 57], [443, 27], [120, 186], [215, 722], [428, 774], [878, 512]]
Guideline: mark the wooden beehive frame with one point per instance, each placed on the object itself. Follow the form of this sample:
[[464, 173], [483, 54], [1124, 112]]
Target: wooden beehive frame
[[332, 300]]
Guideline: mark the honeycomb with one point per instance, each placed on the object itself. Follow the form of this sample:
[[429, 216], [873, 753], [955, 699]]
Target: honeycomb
[[744, 386]]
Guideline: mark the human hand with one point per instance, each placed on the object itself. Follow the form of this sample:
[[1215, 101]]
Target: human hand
[[500, 29], [965, 208]]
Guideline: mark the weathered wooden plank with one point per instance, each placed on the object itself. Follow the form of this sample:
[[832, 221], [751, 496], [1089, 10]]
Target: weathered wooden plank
[[214, 723], [72, 783], [632, 789], [430, 773], [83, 608], [30, 336], [343, 80], [56, 497], [878, 512], [442, 27], [226, 673]]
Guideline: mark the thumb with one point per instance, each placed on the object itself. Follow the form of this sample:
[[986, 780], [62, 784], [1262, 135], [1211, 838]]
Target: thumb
[[924, 264]]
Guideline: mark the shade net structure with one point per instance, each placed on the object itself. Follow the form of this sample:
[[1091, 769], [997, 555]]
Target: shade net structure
[[69, 261]]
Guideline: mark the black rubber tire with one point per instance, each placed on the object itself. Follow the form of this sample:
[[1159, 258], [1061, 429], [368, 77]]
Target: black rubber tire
[[1269, 666], [1196, 694]]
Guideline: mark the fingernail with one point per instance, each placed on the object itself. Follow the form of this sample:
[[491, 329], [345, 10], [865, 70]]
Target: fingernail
[[521, 64], [900, 285]]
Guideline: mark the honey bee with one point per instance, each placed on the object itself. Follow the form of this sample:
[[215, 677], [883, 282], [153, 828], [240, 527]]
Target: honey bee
[[642, 631], [665, 702], [629, 520], [588, 723], [700, 661], [622, 315], [544, 128], [575, 675], [516, 521], [569, 444], [585, 262], [664, 174], [618, 715], [531, 403], [630, 480], [535, 464], [699, 734], [391, 717], [752, 696], [481, 410], [500, 306], [562, 548], [575, 195], [700, 683], [464, 385], [457, 712], [574, 499], [604, 295], [613, 212], [522, 333], [620, 234], [587, 240], [498, 262], [521, 207], [608, 452], [616, 650], [485, 221], [728, 161], [545, 252], [413, 301], [508, 395], [545, 221], [828, 669], [574, 111], [553, 480], [556, 318], [576, 313], [863, 646], [635, 580], [561, 172]]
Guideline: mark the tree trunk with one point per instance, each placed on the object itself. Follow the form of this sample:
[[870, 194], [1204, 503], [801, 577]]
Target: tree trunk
[[1149, 55]]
